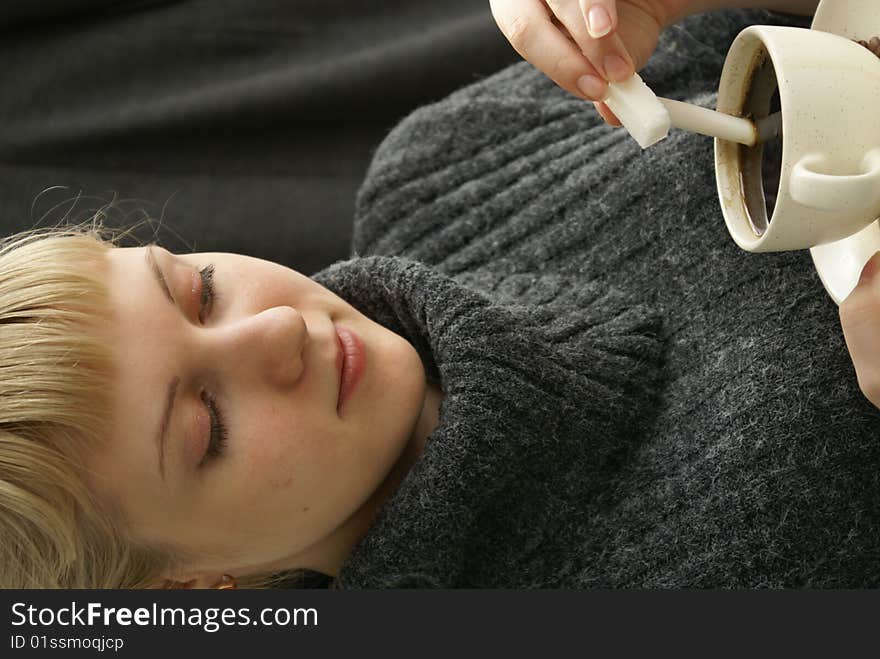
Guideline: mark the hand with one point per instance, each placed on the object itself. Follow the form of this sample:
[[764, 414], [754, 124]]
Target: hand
[[860, 320], [578, 48]]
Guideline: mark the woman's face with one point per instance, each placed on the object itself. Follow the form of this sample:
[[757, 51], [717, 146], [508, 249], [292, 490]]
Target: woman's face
[[229, 438], [860, 319]]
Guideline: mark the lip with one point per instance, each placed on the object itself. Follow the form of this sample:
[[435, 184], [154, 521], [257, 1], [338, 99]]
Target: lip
[[351, 362]]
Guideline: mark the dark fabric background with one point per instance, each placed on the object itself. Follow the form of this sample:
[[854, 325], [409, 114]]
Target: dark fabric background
[[244, 125]]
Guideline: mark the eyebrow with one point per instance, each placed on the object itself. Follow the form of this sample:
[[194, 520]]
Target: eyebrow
[[163, 427], [172, 386], [157, 273]]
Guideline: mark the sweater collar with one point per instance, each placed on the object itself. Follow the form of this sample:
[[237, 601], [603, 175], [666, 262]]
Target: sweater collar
[[516, 405]]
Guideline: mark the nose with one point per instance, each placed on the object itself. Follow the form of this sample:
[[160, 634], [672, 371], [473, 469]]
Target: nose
[[266, 347]]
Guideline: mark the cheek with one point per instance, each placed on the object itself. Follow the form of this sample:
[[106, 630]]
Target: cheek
[[287, 450], [402, 383]]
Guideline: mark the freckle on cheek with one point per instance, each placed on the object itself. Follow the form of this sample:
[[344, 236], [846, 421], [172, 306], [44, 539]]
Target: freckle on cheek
[[281, 482], [265, 463]]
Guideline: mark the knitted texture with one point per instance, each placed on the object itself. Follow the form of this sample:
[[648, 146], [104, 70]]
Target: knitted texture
[[631, 400], [517, 405]]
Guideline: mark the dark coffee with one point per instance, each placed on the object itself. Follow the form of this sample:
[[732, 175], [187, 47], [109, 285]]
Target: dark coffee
[[873, 45], [760, 165], [749, 185]]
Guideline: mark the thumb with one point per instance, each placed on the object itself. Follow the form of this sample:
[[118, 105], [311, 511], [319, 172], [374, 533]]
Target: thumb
[[860, 321]]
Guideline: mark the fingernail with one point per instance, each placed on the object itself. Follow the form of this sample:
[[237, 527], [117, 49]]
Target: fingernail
[[870, 269], [593, 87], [616, 70], [598, 21]]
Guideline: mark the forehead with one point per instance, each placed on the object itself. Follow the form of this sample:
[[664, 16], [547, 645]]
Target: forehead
[[139, 308], [124, 466]]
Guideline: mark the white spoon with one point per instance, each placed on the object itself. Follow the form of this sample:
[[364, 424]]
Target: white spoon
[[648, 117]]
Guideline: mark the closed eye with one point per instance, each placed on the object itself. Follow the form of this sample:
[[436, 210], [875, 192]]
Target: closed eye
[[208, 295]]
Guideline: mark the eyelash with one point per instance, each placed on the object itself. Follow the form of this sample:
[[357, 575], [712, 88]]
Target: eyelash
[[208, 296], [217, 440]]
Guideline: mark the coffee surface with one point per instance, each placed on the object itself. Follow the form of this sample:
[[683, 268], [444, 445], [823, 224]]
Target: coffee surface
[[873, 44]]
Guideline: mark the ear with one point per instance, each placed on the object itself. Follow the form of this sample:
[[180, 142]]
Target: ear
[[212, 580]]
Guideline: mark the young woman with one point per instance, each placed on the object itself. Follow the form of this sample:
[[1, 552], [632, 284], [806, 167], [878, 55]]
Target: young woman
[[546, 365], [186, 402]]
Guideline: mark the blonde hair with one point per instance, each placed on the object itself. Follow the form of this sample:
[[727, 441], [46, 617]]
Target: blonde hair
[[56, 376], [54, 405]]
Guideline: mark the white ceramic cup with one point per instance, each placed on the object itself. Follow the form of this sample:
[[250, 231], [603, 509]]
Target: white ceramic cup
[[829, 184]]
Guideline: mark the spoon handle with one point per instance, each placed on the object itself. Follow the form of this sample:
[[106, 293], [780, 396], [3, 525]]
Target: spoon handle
[[701, 120]]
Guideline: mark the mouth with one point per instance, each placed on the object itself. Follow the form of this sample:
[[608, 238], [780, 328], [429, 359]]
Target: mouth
[[350, 362]]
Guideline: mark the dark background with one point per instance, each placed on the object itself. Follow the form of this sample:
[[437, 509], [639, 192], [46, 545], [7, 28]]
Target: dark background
[[239, 125], [404, 623]]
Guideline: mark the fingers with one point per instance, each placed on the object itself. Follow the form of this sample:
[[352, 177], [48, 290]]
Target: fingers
[[606, 113], [592, 25], [568, 13], [574, 42], [860, 320], [601, 16], [529, 26]]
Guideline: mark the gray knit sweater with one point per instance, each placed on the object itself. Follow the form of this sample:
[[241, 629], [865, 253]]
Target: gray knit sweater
[[630, 399]]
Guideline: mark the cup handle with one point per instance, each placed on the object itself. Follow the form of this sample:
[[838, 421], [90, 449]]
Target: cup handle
[[834, 192]]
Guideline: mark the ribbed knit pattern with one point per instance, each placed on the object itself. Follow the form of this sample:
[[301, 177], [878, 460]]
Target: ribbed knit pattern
[[519, 403], [631, 400]]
